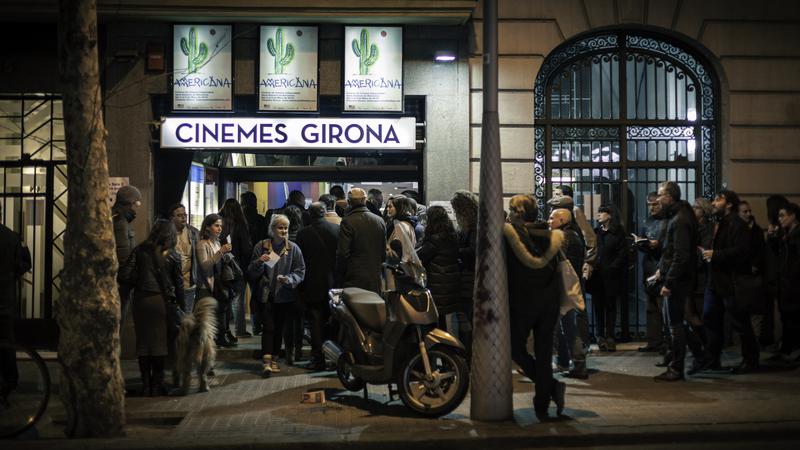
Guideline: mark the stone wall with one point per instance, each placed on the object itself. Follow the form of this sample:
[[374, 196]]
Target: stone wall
[[753, 46]]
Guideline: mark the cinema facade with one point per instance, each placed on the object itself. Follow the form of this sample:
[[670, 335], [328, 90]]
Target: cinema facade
[[204, 100]]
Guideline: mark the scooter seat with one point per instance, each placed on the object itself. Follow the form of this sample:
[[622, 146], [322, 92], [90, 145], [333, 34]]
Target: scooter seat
[[367, 307]]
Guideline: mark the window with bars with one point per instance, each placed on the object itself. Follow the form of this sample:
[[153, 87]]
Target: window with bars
[[617, 113], [33, 192]]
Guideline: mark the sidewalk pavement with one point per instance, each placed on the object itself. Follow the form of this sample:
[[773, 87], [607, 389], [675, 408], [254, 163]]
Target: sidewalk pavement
[[619, 404]]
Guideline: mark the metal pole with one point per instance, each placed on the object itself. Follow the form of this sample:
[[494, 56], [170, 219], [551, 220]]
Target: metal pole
[[491, 349]]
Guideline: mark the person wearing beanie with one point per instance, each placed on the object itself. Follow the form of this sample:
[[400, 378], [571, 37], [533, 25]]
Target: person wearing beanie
[[128, 200]]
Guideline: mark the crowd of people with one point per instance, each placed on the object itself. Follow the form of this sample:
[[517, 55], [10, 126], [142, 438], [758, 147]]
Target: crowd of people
[[699, 262], [285, 262]]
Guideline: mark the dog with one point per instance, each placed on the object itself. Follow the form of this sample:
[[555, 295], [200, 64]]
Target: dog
[[195, 345]]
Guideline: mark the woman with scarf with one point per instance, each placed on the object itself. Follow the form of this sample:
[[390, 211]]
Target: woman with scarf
[[401, 228]]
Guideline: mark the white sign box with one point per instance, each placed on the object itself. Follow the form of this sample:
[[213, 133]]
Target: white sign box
[[373, 69], [288, 78], [202, 77], [289, 133]]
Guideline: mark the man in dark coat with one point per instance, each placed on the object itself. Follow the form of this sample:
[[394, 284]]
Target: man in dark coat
[[785, 242], [727, 258], [676, 270], [15, 262], [128, 200], [650, 247], [318, 243], [257, 225], [362, 245], [754, 292]]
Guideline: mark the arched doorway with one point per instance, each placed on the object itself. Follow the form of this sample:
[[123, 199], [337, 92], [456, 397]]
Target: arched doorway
[[616, 113]]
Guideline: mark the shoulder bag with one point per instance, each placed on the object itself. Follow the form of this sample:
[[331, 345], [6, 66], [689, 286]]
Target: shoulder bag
[[571, 292]]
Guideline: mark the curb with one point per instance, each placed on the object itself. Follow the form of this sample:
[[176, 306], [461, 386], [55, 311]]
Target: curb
[[482, 436]]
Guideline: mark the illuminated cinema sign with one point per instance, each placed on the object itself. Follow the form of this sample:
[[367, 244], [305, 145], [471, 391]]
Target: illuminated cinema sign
[[288, 133]]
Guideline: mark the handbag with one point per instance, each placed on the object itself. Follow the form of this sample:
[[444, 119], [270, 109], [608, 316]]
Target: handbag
[[571, 292], [231, 272]]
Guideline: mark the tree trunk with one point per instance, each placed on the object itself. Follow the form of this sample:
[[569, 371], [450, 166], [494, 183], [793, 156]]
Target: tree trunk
[[88, 310]]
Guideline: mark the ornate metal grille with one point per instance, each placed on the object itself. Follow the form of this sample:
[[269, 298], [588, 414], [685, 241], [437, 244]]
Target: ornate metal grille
[[619, 112], [639, 84]]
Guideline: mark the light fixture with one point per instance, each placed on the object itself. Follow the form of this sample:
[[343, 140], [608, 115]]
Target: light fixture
[[444, 56]]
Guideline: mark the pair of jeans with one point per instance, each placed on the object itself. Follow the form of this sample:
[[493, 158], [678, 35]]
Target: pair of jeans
[[237, 307], [255, 318], [572, 332], [673, 315], [565, 331], [189, 296], [274, 317], [714, 322], [742, 325], [605, 315], [542, 322], [655, 324], [294, 329], [320, 314]]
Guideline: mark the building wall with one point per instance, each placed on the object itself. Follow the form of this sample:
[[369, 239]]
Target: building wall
[[753, 46]]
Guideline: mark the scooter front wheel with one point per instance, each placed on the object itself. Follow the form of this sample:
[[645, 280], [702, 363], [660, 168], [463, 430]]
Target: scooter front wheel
[[346, 377], [440, 393]]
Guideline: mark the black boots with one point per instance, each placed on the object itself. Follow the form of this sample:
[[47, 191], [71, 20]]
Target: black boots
[[157, 387], [144, 371], [678, 346], [670, 375], [151, 369]]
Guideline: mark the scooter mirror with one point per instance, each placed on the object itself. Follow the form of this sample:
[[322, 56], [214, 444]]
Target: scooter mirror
[[397, 247]]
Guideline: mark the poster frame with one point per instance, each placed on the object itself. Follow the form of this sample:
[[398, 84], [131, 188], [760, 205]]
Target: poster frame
[[346, 47], [171, 87], [257, 75]]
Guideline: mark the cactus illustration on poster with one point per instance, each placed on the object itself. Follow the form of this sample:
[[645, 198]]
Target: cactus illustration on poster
[[283, 55], [196, 52], [366, 53]]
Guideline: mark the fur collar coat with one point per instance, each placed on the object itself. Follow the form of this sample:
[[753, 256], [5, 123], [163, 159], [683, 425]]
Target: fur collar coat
[[531, 255]]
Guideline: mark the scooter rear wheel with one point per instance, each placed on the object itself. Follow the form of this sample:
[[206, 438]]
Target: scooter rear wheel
[[346, 377], [441, 394]]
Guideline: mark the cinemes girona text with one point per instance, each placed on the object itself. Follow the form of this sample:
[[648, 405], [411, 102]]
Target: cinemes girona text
[[324, 133]]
